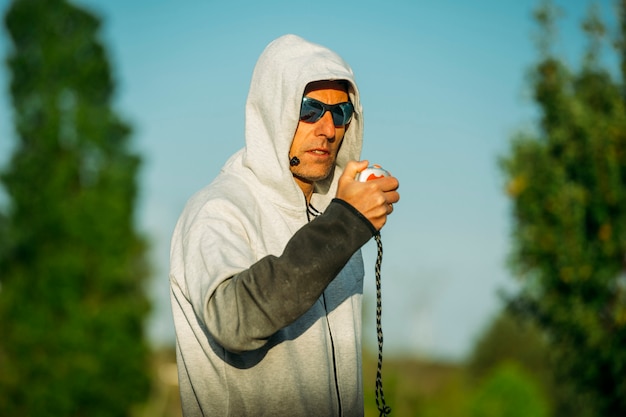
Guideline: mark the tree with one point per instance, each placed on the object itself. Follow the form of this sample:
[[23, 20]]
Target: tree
[[567, 186], [72, 266]]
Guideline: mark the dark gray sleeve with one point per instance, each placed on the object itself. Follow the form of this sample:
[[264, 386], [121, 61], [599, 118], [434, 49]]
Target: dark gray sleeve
[[245, 310]]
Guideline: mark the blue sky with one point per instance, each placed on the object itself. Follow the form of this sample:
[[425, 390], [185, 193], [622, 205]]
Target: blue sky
[[444, 89]]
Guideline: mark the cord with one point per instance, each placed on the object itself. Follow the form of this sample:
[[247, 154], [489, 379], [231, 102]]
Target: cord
[[384, 409]]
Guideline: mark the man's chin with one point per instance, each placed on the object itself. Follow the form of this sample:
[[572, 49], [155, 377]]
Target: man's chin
[[310, 177]]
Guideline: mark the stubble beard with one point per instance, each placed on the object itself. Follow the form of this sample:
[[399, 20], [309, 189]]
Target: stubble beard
[[307, 175]]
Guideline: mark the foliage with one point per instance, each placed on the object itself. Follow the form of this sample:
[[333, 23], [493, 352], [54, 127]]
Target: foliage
[[567, 186], [508, 392], [424, 388], [72, 266], [508, 340], [417, 388]]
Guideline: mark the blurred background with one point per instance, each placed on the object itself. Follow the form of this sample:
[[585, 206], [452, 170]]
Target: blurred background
[[446, 86]]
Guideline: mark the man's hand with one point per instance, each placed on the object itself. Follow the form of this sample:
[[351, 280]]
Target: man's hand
[[374, 198]]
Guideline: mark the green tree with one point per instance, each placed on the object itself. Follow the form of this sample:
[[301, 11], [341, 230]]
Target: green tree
[[567, 186], [72, 266]]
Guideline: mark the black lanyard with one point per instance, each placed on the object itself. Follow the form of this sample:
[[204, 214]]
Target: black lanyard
[[384, 409]]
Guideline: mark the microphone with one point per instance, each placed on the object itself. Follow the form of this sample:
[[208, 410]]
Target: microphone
[[294, 161]]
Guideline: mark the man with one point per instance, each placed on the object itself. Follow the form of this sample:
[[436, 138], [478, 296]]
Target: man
[[266, 270]]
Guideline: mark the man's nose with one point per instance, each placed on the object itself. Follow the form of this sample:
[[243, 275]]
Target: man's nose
[[326, 125]]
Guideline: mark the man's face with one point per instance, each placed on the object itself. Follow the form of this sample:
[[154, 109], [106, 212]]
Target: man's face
[[316, 144]]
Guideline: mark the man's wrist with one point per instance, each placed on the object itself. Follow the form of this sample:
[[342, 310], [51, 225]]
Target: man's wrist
[[356, 213]]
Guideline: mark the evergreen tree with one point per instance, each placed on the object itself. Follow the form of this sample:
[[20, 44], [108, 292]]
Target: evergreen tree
[[72, 266], [567, 183]]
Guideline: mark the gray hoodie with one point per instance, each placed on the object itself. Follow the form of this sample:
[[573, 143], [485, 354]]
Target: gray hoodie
[[266, 305]]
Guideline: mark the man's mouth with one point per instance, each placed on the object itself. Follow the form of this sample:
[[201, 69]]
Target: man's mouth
[[319, 151]]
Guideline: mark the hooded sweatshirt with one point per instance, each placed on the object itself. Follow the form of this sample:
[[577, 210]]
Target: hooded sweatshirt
[[267, 304]]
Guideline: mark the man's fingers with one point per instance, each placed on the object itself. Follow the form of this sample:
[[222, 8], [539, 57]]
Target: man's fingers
[[388, 183], [354, 167], [392, 197]]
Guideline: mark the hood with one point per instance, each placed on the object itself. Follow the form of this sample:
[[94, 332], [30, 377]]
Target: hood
[[279, 79]]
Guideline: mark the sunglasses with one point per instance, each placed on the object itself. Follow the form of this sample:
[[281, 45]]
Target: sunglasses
[[313, 110]]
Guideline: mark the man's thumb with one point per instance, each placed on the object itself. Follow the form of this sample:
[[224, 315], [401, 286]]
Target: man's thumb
[[354, 167]]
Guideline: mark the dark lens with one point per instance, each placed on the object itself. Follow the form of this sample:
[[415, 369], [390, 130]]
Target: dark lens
[[338, 117], [342, 113], [311, 111]]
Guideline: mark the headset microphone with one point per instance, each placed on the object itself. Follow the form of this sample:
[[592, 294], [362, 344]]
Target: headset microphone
[[294, 161]]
